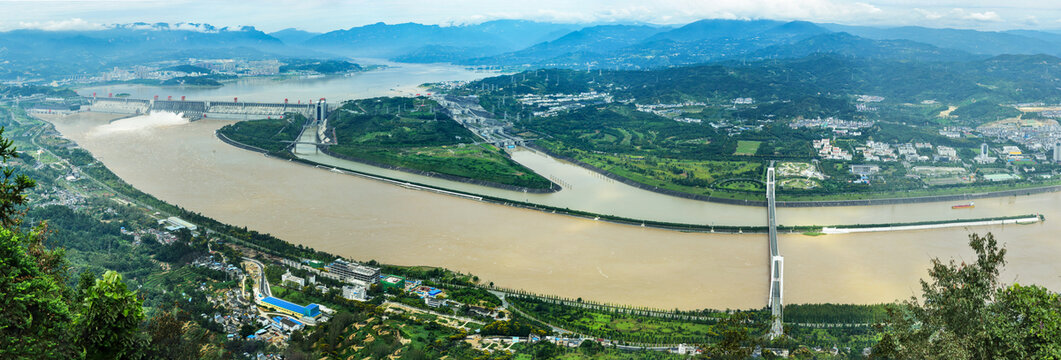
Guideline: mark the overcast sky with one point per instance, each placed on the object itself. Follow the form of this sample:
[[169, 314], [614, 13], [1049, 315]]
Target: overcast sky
[[326, 15]]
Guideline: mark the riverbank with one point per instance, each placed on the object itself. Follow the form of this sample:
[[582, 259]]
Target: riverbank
[[804, 203]]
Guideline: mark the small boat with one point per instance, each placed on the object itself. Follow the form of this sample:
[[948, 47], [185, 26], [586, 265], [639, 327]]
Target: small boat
[[970, 205]]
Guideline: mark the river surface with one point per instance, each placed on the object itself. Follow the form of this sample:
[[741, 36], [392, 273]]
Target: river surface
[[367, 219], [184, 164], [397, 79]]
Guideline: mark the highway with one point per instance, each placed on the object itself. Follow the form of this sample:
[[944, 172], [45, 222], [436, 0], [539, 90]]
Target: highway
[[263, 283]]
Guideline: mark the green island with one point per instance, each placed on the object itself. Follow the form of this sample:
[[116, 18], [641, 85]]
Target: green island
[[849, 128], [269, 135], [407, 133]]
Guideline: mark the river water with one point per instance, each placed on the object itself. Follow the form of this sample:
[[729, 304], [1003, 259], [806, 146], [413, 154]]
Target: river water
[[183, 163], [397, 79]]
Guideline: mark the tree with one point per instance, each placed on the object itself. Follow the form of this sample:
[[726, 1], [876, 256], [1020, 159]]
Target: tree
[[12, 186], [34, 316], [736, 338], [108, 325], [168, 338], [967, 315]]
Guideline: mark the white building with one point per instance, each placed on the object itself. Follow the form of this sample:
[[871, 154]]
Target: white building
[[174, 223], [355, 292], [288, 277], [433, 302]]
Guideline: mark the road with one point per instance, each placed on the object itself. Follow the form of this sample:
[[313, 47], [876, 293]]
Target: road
[[263, 283]]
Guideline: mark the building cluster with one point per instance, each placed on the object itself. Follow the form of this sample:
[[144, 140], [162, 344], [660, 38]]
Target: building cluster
[[235, 310], [743, 101], [839, 126], [667, 110], [955, 132], [157, 71], [869, 98], [357, 278], [554, 104], [1034, 138], [863, 107], [827, 151], [239, 67]]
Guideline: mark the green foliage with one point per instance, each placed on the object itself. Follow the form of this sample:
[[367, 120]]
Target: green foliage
[[507, 328], [396, 122], [410, 133], [616, 324], [12, 186], [735, 338], [108, 325], [168, 338], [984, 111], [966, 315], [268, 134], [320, 66], [274, 273], [835, 313], [34, 315], [474, 296]]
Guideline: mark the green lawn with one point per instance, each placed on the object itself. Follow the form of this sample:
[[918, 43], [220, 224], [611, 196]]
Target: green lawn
[[748, 148]]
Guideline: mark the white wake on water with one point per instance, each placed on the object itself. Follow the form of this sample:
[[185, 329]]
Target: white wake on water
[[142, 123]]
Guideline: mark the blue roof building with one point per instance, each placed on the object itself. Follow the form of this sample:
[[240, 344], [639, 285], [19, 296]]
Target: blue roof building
[[290, 308]]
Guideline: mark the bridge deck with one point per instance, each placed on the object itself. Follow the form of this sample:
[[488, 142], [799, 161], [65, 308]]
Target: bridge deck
[[776, 261]]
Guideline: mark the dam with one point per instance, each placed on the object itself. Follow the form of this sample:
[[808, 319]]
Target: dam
[[198, 109]]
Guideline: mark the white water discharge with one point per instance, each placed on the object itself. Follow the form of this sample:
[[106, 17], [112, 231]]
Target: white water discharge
[[142, 123]]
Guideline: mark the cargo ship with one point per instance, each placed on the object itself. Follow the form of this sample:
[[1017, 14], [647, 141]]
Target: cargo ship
[[970, 205]]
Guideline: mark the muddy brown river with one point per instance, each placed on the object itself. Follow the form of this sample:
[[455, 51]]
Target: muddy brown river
[[184, 164]]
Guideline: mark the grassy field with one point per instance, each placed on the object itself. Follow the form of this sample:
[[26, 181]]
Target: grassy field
[[747, 147], [700, 177]]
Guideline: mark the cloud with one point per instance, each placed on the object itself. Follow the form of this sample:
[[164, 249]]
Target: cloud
[[928, 15], [983, 16], [62, 25]]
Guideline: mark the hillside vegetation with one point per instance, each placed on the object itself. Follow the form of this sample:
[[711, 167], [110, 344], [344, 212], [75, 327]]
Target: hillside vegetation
[[411, 133]]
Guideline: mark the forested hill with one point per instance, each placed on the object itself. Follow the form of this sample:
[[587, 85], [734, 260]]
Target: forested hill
[[1008, 78]]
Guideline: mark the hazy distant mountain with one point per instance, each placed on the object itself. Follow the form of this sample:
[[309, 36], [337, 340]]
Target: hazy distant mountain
[[292, 36], [715, 29], [853, 46], [383, 40], [971, 41], [593, 41], [444, 54], [647, 47], [31, 53]]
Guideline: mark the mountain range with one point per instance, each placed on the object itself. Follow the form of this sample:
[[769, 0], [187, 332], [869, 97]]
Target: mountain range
[[508, 43]]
